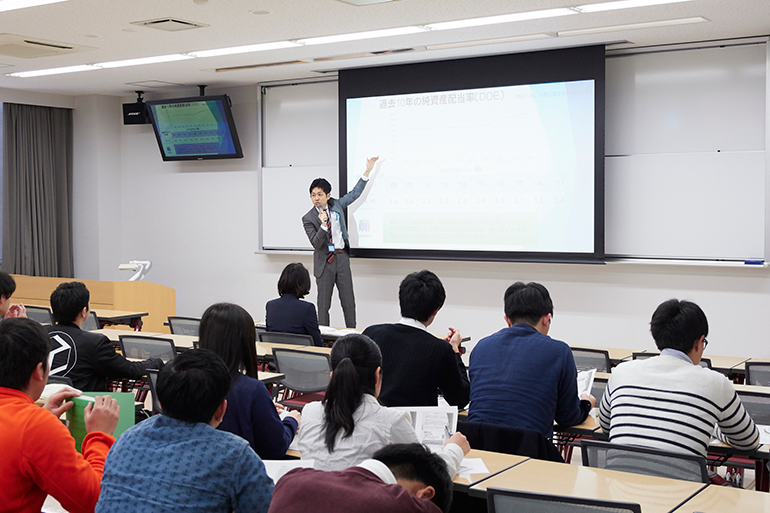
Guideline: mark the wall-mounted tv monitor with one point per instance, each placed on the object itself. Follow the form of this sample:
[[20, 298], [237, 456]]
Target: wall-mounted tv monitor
[[195, 128], [487, 158]]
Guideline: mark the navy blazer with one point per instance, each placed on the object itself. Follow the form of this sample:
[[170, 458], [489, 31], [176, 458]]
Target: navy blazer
[[287, 314]]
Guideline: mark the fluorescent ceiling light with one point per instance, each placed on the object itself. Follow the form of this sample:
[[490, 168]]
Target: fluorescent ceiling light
[[243, 49], [399, 31], [480, 42], [144, 60], [632, 26], [624, 4], [52, 71], [503, 18], [10, 5]]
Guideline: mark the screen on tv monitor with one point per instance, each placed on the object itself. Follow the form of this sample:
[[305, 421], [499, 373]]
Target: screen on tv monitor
[[195, 128]]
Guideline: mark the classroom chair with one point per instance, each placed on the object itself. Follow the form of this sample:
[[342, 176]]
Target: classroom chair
[[643, 460], [142, 348], [306, 374], [758, 373], [508, 440], [91, 323], [704, 362], [184, 325], [41, 314], [284, 338], [598, 389], [513, 501], [587, 359], [152, 381]]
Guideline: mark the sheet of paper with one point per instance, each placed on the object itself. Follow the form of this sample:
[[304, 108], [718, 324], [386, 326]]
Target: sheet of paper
[[585, 381], [277, 468], [433, 424], [473, 466], [764, 434], [328, 330]]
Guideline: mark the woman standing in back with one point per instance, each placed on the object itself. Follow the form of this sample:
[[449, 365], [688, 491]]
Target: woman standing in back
[[229, 331]]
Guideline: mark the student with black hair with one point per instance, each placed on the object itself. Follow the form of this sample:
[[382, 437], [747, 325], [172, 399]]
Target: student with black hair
[[7, 288], [406, 478], [416, 363], [179, 461], [521, 377], [350, 424], [669, 401], [88, 359], [288, 313], [325, 228], [228, 330], [38, 453]]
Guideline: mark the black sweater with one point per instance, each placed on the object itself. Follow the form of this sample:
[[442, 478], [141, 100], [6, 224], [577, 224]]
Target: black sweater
[[415, 364]]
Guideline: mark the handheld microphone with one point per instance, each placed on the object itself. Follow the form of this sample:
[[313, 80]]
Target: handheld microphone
[[319, 208]]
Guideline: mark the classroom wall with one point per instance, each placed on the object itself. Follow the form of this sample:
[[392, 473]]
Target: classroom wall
[[198, 223]]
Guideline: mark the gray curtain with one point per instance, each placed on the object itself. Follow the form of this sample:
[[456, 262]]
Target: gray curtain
[[37, 190]]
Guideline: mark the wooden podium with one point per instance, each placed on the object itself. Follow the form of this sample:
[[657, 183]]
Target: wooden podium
[[158, 301]]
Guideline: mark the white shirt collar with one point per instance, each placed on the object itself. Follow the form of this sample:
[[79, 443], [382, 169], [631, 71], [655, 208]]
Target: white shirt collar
[[414, 323], [676, 354], [380, 470]]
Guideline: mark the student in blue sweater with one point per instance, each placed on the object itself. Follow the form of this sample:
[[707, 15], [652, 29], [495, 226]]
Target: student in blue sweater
[[521, 377], [228, 330]]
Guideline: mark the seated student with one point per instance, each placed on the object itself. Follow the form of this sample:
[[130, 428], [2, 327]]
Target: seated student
[[288, 314], [38, 452], [228, 330], [670, 402], [521, 377], [88, 359], [7, 288], [406, 478], [414, 362], [350, 425], [179, 461]]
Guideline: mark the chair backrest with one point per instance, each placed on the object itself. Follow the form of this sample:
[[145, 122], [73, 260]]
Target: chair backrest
[[142, 348], [598, 389], [91, 322], [704, 362], [59, 380], [757, 405], [184, 325], [587, 359], [508, 440], [41, 314], [512, 501], [643, 460], [285, 338], [758, 373], [152, 379], [305, 371]]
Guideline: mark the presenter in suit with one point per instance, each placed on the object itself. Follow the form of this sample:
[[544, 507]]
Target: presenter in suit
[[325, 227]]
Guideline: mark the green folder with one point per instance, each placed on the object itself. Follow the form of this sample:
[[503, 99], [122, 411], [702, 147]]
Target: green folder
[[77, 422]]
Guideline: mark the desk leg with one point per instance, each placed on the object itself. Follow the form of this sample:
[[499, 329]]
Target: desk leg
[[762, 476]]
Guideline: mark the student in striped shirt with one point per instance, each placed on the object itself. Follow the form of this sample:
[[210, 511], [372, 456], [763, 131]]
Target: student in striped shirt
[[670, 402]]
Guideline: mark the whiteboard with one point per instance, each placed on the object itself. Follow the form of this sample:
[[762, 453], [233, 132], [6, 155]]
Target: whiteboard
[[685, 144], [285, 199]]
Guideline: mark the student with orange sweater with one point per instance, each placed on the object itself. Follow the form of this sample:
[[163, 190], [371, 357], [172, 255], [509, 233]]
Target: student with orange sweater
[[38, 452]]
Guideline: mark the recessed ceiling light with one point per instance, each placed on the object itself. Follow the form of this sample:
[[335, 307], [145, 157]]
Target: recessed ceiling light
[[503, 18], [243, 49], [10, 5], [260, 13], [398, 31], [480, 42], [624, 4], [52, 71], [632, 26], [144, 60]]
